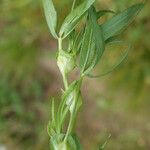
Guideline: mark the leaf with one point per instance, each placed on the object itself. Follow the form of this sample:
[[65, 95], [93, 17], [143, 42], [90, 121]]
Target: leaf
[[115, 66], [53, 111], [93, 44], [74, 17], [51, 16], [77, 141], [120, 21], [86, 47], [111, 39], [52, 124], [103, 12], [62, 109], [78, 41], [91, 56], [71, 38], [65, 96], [74, 100], [71, 143], [98, 37], [74, 104]]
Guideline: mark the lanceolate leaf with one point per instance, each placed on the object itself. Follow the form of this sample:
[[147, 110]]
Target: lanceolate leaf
[[74, 17], [116, 65], [98, 35], [61, 109], [52, 123], [51, 16], [91, 57], [120, 21], [86, 47]]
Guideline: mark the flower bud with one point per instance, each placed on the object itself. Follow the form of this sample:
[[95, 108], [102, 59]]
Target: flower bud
[[65, 61]]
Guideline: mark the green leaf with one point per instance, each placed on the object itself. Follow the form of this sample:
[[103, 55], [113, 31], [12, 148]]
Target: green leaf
[[116, 65], [86, 47], [52, 124], [98, 38], [71, 143], [71, 38], [51, 16], [93, 44], [120, 21], [74, 17], [74, 100], [71, 88], [78, 41], [63, 109], [77, 141], [53, 111]]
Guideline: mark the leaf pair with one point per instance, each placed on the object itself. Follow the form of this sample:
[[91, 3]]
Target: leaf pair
[[109, 28], [113, 27], [74, 17], [71, 20], [93, 44]]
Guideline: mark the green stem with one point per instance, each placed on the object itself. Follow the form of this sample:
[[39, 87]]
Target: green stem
[[65, 81], [60, 43]]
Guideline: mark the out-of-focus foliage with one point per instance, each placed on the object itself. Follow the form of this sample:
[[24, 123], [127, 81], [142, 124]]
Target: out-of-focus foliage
[[22, 82], [26, 83]]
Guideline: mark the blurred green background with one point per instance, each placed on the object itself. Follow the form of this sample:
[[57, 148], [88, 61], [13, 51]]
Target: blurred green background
[[118, 103]]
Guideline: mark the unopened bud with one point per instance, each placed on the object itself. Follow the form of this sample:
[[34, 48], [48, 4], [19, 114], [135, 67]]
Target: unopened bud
[[65, 62]]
